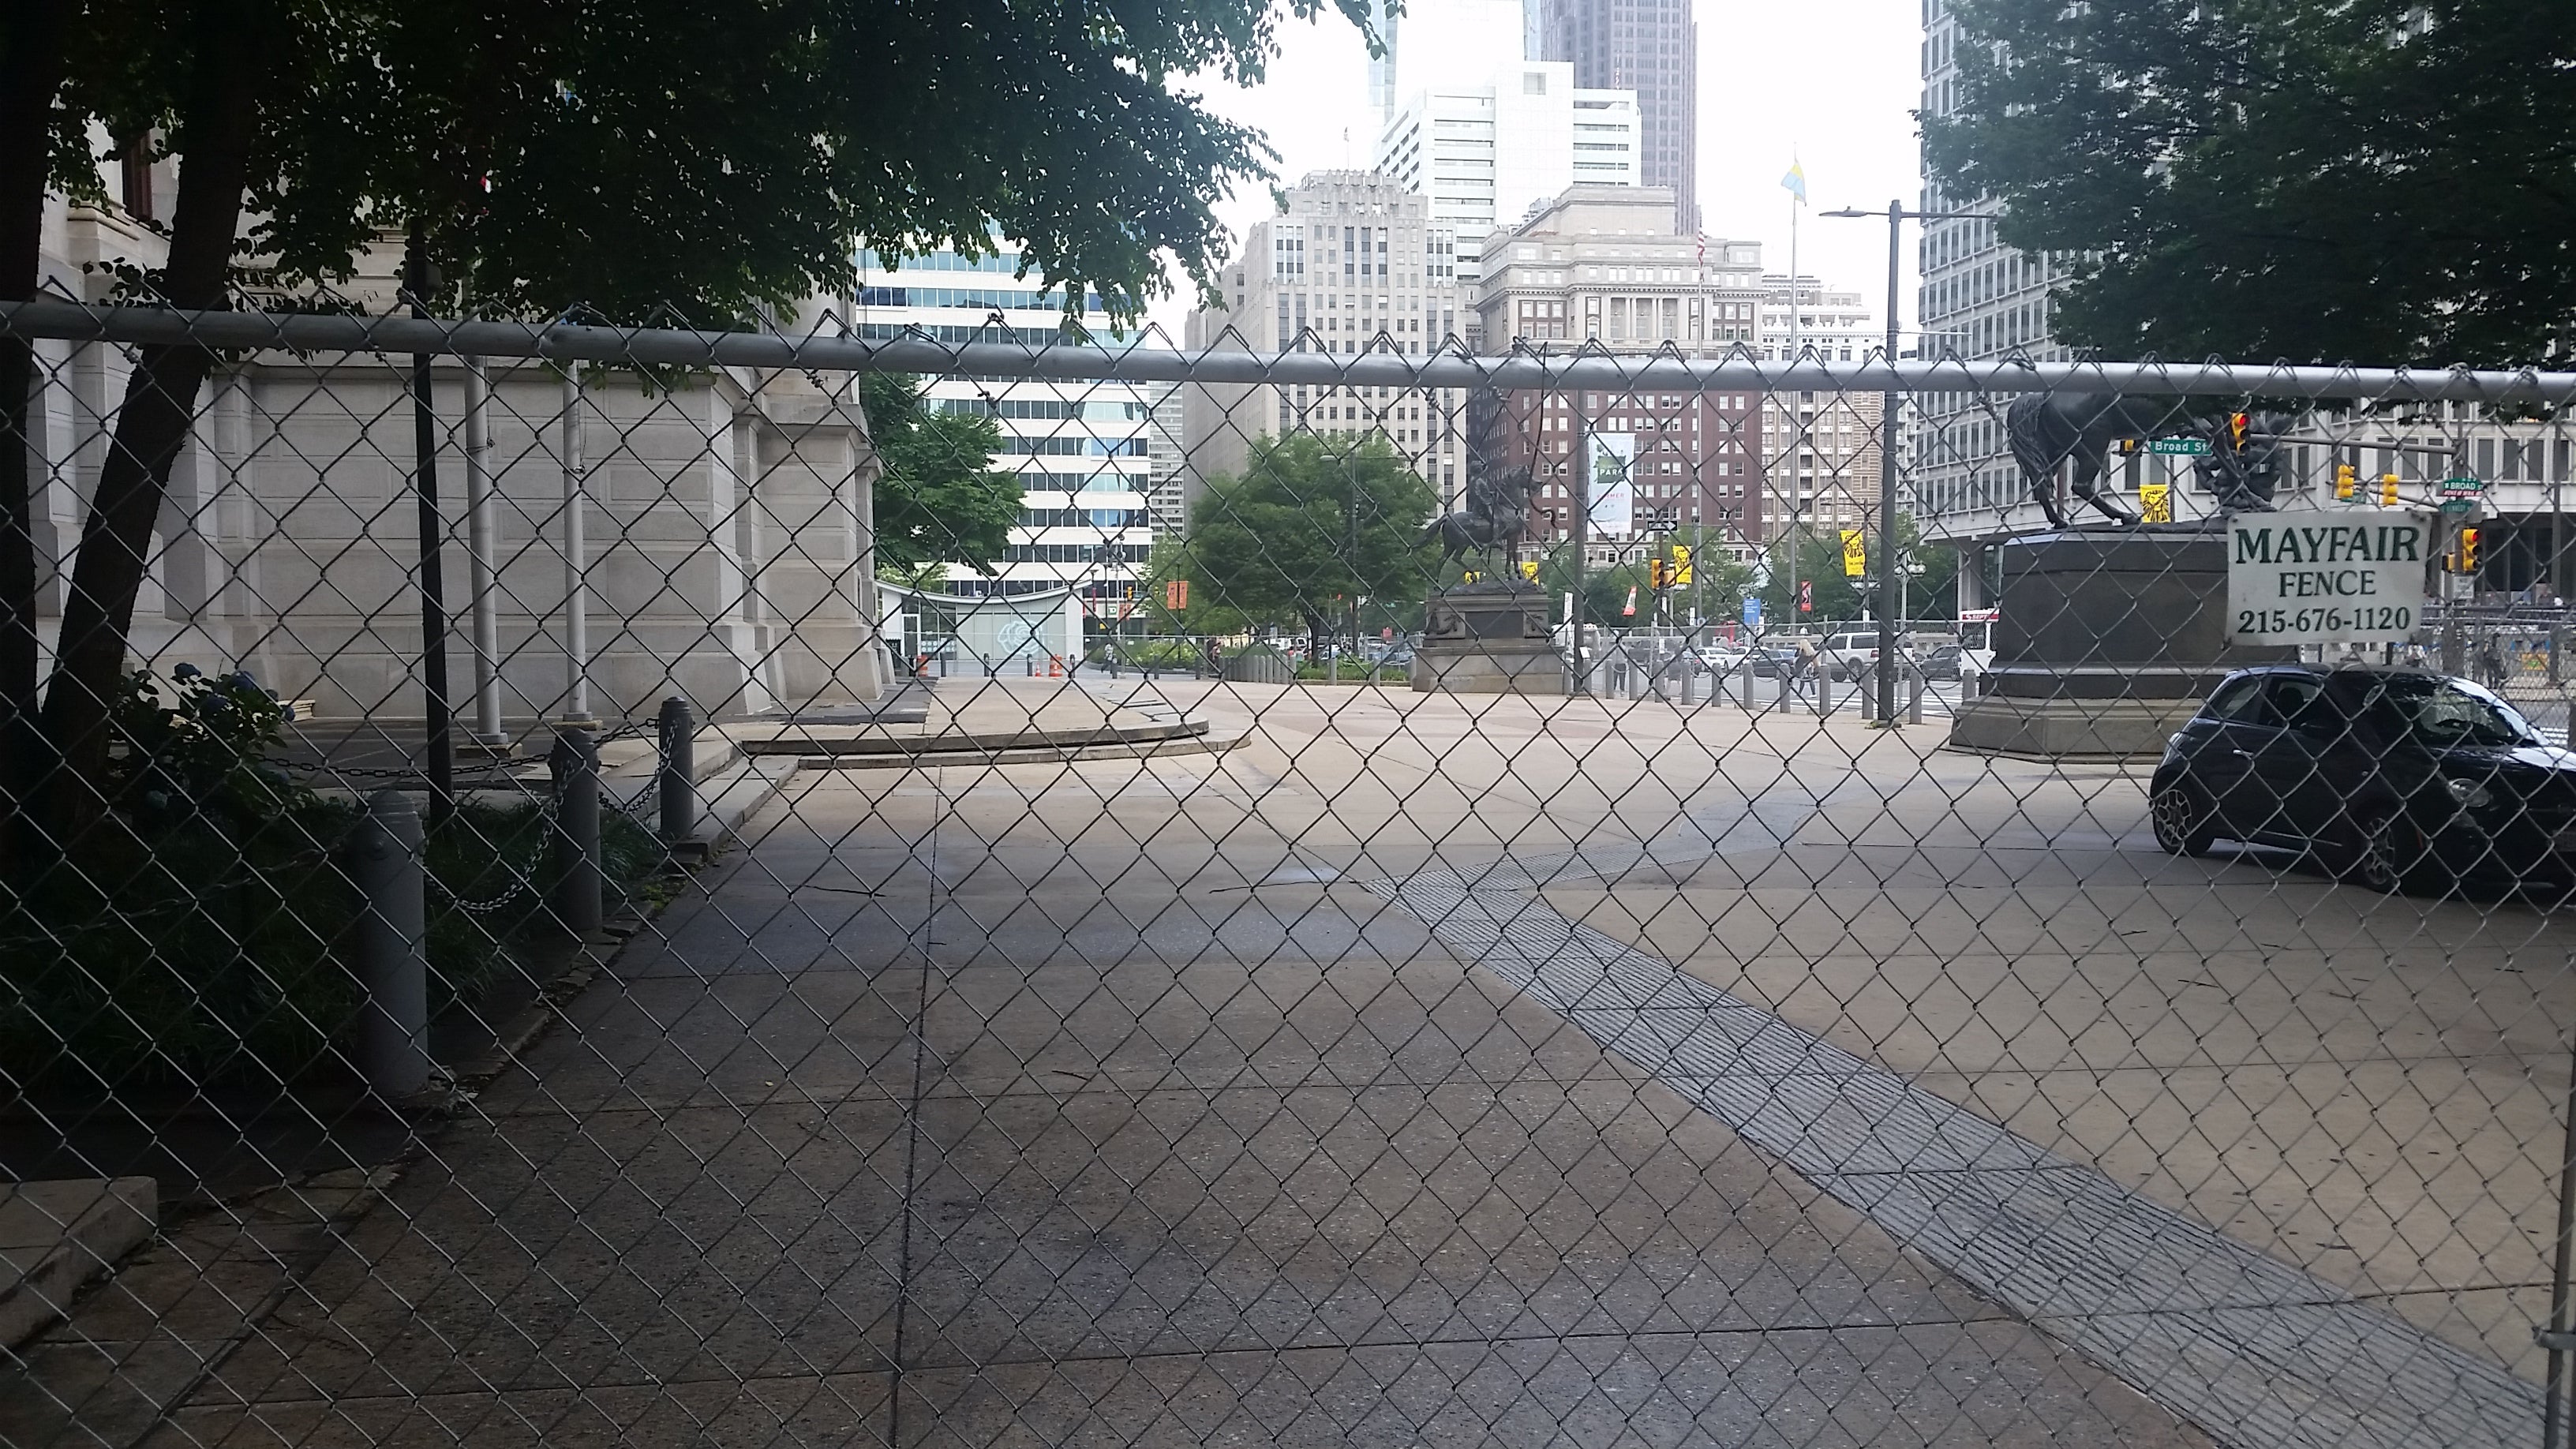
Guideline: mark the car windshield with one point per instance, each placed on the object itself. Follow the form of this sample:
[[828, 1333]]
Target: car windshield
[[2443, 713]]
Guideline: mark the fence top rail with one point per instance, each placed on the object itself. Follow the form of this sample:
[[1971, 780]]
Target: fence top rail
[[831, 349]]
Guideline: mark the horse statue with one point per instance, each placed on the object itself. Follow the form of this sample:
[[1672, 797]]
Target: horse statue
[[2048, 430], [1493, 518]]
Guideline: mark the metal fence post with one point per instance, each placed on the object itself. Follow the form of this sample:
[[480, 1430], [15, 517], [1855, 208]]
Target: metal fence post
[[574, 764], [383, 859], [678, 776]]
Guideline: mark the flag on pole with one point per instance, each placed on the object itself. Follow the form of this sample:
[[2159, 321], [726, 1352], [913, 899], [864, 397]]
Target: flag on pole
[[1796, 181]]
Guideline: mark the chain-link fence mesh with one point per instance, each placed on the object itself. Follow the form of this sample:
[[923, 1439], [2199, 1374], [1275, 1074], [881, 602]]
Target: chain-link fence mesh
[[891, 887]]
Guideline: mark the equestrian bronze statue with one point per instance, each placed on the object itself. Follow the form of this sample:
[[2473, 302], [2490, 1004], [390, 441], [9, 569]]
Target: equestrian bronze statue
[[2049, 430], [1492, 519]]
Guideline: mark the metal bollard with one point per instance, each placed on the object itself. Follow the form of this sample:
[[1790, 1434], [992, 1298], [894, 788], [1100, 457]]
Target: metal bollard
[[1690, 687], [574, 764], [1824, 693], [678, 776], [1751, 704], [383, 859], [1788, 689], [1914, 696]]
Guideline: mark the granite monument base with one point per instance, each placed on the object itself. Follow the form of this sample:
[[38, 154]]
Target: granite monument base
[[1487, 638], [2105, 642]]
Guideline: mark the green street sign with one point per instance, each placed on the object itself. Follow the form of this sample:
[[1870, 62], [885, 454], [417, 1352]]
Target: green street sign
[[2464, 487], [2459, 507], [2180, 447]]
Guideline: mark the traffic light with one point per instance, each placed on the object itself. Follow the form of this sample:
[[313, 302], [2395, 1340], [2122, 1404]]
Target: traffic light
[[1655, 578], [2387, 490], [2237, 425], [2346, 477], [2127, 446], [2468, 551], [1681, 565]]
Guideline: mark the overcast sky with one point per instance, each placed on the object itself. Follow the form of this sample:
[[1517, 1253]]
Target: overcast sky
[[1833, 81]]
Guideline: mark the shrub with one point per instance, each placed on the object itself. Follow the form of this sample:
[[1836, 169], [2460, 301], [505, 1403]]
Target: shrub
[[196, 938]]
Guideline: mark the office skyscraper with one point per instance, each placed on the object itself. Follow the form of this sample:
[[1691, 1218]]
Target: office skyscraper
[[1650, 47]]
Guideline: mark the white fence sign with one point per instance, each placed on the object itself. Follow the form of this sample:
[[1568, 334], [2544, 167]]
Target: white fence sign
[[2310, 579]]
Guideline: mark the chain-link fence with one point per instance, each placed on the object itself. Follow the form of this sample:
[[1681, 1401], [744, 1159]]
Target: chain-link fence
[[854, 885]]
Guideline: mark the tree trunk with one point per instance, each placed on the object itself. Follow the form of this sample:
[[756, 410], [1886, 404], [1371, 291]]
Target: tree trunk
[[30, 74], [217, 130]]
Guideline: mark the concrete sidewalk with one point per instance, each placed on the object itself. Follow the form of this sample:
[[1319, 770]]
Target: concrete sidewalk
[[1202, 1140], [1447, 1070]]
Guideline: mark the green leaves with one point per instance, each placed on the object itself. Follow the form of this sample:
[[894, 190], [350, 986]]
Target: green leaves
[[1314, 522], [936, 501], [714, 161], [2320, 180]]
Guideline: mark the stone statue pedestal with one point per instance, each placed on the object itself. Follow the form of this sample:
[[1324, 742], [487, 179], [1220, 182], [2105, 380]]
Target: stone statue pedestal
[[1488, 638], [2106, 641]]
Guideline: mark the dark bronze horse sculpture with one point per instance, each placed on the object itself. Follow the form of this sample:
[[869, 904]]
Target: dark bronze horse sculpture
[[1493, 518], [2048, 430]]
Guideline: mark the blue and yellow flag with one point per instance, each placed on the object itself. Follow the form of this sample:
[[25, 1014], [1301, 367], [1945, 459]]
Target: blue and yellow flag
[[1796, 181]]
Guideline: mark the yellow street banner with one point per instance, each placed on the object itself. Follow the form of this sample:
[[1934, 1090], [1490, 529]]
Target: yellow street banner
[[2155, 502], [1855, 554], [1529, 568], [1681, 565]]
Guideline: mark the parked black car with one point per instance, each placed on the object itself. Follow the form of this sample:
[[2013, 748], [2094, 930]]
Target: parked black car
[[2399, 778]]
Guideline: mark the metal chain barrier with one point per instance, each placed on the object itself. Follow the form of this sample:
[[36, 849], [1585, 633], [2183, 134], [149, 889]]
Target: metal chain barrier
[[1319, 887]]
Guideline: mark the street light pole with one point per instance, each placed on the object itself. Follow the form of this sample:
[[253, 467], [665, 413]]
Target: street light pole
[[1887, 560], [1888, 563]]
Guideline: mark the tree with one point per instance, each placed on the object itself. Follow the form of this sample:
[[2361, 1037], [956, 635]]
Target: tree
[[1314, 523], [1820, 563], [1931, 594], [936, 502], [622, 159], [2383, 181]]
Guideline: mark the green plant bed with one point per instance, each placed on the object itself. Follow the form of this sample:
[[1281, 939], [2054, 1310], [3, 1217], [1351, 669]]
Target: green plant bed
[[197, 958], [1158, 654], [1352, 670], [197, 935]]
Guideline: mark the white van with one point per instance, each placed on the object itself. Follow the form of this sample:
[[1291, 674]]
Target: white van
[[1848, 656]]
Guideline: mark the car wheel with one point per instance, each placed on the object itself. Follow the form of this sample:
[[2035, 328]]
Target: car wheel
[[2182, 819], [2388, 854]]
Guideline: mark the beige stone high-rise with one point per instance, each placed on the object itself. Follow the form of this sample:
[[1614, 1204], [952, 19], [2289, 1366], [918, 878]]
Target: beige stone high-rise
[[1351, 263]]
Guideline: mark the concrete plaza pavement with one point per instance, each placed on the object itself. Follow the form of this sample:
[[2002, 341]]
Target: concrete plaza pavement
[[1474, 1070]]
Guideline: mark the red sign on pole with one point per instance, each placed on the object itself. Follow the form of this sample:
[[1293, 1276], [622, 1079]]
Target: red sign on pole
[[1176, 595], [1806, 596], [1631, 610]]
